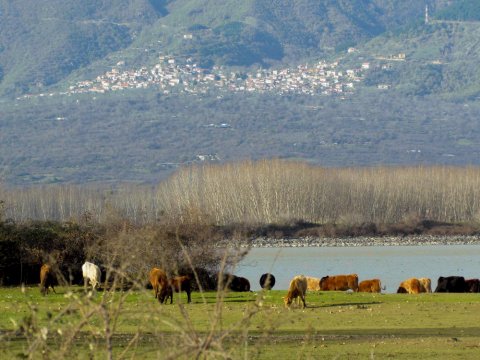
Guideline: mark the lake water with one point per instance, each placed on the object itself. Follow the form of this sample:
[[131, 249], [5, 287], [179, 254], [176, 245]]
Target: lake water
[[391, 264]]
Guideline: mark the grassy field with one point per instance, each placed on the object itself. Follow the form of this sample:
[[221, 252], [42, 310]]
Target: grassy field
[[238, 325]]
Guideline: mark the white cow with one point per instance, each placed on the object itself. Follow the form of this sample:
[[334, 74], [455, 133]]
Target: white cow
[[91, 272]]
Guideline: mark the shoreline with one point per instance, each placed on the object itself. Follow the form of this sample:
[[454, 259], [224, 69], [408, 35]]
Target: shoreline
[[411, 240]]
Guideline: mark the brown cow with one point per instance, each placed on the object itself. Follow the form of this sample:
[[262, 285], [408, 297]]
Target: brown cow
[[158, 279], [339, 283], [177, 284], [411, 286], [426, 285], [297, 289], [370, 286], [47, 279], [313, 283]]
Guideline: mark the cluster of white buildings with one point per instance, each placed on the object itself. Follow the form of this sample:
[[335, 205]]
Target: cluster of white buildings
[[171, 76]]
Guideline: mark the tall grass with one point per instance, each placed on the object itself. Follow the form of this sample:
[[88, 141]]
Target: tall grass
[[267, 191]]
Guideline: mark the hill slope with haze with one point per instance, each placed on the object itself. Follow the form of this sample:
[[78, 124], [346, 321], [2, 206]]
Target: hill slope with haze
[[41, 45]]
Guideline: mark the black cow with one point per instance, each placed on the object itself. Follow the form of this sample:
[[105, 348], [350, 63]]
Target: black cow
[[232, 282], [451, 284], [267, 281], [240, 284], [473, 285]]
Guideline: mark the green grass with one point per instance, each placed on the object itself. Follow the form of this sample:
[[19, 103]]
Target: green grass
[[338, 325]]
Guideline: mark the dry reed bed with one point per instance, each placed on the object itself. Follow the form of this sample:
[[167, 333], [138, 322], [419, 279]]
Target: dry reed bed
[[265, 192]]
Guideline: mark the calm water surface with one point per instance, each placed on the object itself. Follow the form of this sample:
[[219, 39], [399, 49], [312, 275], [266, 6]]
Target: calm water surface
[[391, 264]]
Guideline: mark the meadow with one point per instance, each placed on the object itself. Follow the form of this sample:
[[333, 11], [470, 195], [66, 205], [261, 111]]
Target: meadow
[[335, 325]]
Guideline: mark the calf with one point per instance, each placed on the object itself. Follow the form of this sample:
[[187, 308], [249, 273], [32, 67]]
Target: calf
[[370, 286], [47, 279], [297, 289], [177, 284]]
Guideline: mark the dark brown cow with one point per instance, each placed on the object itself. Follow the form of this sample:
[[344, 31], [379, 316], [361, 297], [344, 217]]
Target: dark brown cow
[[472, 285], [47, 279], [159, 281], [370, 286], [177, 284], [339, 283]]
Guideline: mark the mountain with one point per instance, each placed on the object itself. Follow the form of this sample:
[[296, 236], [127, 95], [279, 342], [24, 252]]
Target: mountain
[[42, 45], [148, 96], [42, 42], [441, 56]]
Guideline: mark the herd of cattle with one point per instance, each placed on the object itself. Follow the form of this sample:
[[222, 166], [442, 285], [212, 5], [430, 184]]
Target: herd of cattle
[[163, 286]]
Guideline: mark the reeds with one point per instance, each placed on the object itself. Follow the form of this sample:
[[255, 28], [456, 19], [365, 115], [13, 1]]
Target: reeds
[[266, 192]]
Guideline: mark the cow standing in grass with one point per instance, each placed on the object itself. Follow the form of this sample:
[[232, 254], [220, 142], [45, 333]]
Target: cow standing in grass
[[267, 281], [313, 283], [296, 290], [411, 286], [339, 283], [451, 284], [47, 279], [91, 273], [159, 281], [370, 286], [472, 285], [426, 284]]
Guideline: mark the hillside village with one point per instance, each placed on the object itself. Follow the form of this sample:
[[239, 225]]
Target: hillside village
[[172, 76]]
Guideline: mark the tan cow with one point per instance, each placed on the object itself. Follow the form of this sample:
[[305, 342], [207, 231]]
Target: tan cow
[[297, 289], [313, 283], [370, 286], [426, 284], [159, 281], [411, 286], [339, 282]]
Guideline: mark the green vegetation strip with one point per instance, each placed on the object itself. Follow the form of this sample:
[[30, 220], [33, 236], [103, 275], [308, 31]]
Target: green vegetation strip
[[343, 324]]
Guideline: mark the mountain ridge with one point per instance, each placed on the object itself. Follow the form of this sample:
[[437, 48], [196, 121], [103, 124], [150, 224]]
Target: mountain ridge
[[42, 46]]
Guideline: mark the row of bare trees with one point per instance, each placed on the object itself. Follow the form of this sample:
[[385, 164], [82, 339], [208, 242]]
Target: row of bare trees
[[267, 191]]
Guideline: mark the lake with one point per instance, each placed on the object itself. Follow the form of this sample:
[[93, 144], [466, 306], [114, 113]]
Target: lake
[[391, 264]]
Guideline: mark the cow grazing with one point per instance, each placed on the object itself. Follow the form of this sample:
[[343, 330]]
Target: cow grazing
[[296, 290], [370, 286], [47, 279], [159, 281], [412, 286], [339, 283], [91, 273], [452, 284], [267, 281], [177, 284], [313, 283], [472, 285], [426, 284]]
